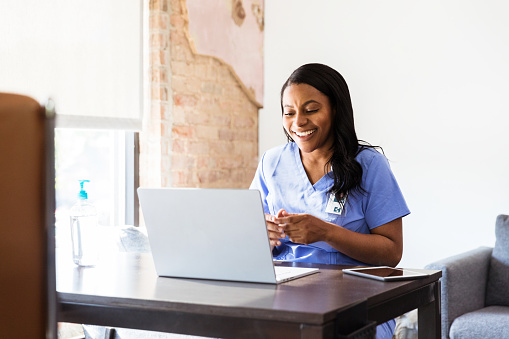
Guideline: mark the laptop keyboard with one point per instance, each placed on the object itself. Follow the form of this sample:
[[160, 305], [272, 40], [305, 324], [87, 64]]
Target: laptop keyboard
[[284, 272]]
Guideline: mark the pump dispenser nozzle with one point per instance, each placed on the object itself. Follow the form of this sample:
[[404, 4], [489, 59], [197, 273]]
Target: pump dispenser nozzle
[[82, 195]]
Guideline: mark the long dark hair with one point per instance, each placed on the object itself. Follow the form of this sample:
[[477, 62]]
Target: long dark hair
[[346, 171]]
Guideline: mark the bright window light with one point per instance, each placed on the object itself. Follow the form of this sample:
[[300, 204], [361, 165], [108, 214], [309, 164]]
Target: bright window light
[[95, 155]]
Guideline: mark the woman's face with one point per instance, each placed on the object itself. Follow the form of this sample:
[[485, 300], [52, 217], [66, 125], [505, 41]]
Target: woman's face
[[307, 118]]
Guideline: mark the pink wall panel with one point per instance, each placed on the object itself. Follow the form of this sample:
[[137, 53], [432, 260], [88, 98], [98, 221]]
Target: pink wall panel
[[231, 30]]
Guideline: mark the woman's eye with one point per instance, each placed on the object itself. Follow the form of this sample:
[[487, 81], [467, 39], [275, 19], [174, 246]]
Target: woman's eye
[[289, 113], [312, 111]]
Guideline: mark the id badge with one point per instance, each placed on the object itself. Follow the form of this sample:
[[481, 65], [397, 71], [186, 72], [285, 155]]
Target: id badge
[[336, 207]]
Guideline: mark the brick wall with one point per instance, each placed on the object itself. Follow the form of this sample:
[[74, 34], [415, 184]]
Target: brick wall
[[203, 124]]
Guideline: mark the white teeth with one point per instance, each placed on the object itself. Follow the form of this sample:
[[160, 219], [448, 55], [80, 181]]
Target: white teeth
[[303, 134]]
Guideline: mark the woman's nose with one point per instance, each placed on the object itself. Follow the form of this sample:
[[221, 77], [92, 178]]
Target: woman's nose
[[300, 119]]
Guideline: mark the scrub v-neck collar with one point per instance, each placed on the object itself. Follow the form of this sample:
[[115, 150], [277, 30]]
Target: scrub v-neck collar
[[321, 185]]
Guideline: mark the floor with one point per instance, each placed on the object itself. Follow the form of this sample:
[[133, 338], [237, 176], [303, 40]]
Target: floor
[[406, 328], [70, 331]]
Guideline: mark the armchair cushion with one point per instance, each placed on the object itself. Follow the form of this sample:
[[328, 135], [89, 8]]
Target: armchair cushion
[[488, 322], [497, 289]]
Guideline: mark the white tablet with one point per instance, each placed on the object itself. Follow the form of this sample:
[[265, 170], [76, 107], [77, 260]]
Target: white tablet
[[385, 273]]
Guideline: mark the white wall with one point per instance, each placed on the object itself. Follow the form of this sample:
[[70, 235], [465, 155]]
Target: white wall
[[429, 82]]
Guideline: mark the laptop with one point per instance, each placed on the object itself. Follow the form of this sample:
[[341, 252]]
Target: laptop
[[217, 234]]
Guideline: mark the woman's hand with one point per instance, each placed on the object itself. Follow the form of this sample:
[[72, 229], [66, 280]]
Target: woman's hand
[[302, 228], [276, 232]]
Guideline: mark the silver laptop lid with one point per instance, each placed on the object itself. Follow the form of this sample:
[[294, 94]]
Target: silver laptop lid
[[208, 233]]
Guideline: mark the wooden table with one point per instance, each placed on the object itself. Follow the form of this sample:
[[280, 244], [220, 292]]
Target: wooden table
[[125, 291]]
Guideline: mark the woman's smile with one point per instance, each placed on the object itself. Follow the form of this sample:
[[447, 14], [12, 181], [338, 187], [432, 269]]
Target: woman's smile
[[303, 134]]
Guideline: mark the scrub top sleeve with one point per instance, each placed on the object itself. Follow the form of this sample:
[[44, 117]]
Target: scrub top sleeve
[[384, 201], [260, 184]]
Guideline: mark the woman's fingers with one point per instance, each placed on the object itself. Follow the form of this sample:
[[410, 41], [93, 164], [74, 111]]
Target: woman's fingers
[[275, 241], [284, 217], [286, 224], [274, 238], [276, 231], [281, 213]]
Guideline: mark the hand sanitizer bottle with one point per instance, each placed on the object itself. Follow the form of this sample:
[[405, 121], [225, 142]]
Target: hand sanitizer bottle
[[85, 249]]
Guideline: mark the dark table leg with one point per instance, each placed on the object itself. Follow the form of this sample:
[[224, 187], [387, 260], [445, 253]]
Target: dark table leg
[[430, 316]]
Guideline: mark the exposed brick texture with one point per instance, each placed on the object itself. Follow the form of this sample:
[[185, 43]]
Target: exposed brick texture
[[203, 124]]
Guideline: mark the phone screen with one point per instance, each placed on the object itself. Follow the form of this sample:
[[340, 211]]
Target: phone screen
[[383, 272]]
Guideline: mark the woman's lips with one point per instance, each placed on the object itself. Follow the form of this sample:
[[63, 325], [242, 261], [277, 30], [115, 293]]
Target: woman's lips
[[304, 133]]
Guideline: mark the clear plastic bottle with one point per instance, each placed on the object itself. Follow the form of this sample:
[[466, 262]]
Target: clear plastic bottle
[[84, 230]]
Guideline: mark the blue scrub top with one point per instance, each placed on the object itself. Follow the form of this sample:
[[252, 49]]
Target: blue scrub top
[[283, 184]]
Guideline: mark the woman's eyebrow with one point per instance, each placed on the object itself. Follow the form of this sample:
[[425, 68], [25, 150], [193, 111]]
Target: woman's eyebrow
[[310, 102], [304, 104]]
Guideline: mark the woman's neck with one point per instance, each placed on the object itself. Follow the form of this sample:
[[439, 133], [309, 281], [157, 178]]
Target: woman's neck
[[315, 164]]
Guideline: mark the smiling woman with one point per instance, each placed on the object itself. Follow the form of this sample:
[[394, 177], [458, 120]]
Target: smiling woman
[[329, 197], [307, 120]]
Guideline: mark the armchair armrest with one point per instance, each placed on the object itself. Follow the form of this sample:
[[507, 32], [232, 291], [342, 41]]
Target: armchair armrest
[[463, 280]]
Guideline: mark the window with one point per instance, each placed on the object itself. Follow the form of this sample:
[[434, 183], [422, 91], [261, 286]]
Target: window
[[108, 158], [90, 58]]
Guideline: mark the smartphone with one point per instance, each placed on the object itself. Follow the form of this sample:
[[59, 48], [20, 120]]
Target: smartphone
[[385, 273]]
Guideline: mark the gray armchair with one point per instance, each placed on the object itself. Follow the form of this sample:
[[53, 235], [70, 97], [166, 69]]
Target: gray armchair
[[475, 289]]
